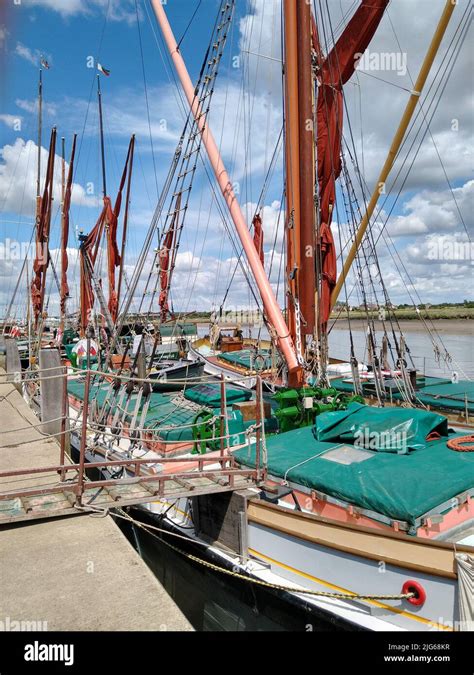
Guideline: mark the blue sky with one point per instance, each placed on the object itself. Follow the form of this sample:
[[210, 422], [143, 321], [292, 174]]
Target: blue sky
[[69, 32]]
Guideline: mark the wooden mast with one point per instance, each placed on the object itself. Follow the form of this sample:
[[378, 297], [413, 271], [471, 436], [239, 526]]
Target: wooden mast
[[125, 220], [38, 167], [292, 160], [300, 178], [102, 145], [46, 210], [40, 128], [63, 193], [307, 277], [66, 205], [104, 177]]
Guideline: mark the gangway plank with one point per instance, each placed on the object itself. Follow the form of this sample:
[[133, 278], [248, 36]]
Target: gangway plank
[[61, 499]]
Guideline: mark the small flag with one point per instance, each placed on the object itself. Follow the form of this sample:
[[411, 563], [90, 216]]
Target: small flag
[[103, 70], [45, 64]]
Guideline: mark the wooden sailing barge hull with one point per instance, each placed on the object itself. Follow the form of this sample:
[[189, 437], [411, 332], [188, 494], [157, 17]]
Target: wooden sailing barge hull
[[290, 548]]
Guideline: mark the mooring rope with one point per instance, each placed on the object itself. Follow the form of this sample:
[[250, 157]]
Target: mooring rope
[[258, 582]]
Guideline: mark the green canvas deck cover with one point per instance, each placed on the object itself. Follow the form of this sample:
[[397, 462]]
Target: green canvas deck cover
[[178, 329], [166, 414], [209, 394], [381, 429], [400, 487], [248, 359], [436, 392]]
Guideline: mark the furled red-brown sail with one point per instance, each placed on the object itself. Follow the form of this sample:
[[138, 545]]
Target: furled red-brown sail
[[113, 254], [334, 71], [109, 217], [258, 236], [64, 290], [41, 262], [88, 253], [167, 260]]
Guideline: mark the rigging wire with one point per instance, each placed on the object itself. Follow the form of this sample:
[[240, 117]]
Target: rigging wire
[[432, 137], [189, 24], [145, 86], [453, 58]]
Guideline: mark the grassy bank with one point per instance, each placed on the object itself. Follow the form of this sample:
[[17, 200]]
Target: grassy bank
[[458, 313], [453, 313]]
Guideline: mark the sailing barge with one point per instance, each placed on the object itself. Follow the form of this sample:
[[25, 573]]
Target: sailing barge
[[377, 533]]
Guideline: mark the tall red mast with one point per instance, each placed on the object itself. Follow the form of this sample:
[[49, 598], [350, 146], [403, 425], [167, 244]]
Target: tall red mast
[[292, 166], [300, 177], [307, 285]]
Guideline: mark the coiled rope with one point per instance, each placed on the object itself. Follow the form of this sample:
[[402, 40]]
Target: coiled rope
[[463, 444]]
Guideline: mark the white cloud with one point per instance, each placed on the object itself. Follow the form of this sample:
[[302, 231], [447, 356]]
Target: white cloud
[[260, 45], [10, 121], [26, 53], [64, 7], [3, 36], [435, 211], [118, 10], [18, 178], [33, 56], [32, 106]]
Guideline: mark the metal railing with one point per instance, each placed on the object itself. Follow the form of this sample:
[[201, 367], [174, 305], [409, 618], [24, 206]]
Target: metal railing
[[137, 468]]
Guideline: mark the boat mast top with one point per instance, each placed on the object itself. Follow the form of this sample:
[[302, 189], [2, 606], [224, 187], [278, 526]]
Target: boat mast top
[[40, 129], [102, 146]]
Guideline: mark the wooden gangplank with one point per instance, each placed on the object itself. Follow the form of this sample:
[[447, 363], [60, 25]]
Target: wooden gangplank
[[34, 485], [61, 500]]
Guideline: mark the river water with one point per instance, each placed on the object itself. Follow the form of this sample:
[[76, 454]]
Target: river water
[[455, 336], [459, 346]]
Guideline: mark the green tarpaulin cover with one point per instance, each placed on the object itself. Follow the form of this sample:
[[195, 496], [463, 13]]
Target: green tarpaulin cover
[[210, 395], [399, 486], [162, 411], [436, 392], [448, 396], [247, 358], [177, 329], [381, 429], [165, 412]]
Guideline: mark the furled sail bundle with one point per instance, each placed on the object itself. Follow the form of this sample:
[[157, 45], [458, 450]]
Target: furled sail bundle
[[167, 260], [88, 254], [113, 254], [258, 236], [108, 219], [41, 262], [64, 287], [333, 71]]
